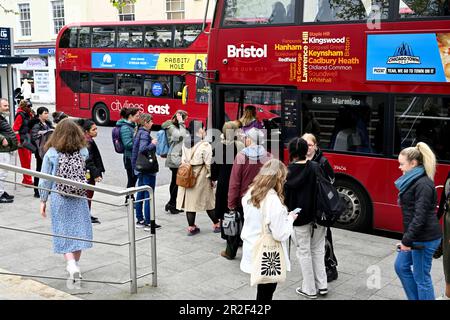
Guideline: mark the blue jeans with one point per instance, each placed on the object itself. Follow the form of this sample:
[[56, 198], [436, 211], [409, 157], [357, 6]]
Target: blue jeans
[[147, 180], [417, 281]]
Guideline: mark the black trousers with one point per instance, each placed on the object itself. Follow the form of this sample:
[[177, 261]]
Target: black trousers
[[173, 188], [131, 177], [265, 291], [38, 168]]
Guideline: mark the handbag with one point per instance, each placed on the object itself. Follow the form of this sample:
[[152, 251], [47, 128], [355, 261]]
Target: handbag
[[185, 173], [147, 163], [268, 261], [231, 223]]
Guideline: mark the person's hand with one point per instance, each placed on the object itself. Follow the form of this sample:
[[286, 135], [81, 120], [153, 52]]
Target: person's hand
[[43, 209], [98, 179], [5, 142], [154, 141], [293, 215], [402, 247], [213, 184]]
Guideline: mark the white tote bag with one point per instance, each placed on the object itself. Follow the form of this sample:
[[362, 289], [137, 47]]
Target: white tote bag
[[268, 261]]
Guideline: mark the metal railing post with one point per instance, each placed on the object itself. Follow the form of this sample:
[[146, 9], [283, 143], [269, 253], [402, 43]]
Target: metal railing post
[[132, 239], [153, 239]]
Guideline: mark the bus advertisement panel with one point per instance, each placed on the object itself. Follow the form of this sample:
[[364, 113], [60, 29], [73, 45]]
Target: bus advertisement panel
[[367, 78]]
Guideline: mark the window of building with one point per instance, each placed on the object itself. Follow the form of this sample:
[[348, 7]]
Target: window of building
[[25, 19], [58, 15], [251, 12], [419, 8], [175, 9], [126, 13], [349, 123]]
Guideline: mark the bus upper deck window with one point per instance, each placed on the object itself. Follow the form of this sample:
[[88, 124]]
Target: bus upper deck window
[[418, 8], [343, 10], [103, 37], [251, 12]]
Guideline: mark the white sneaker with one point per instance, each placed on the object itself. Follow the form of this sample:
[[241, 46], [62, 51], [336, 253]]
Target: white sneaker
[[73, 270]]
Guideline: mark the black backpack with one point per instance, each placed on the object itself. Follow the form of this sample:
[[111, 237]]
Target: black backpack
[[329, 205]]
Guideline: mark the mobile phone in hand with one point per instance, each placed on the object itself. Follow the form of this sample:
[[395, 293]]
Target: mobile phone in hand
[[296, 210]]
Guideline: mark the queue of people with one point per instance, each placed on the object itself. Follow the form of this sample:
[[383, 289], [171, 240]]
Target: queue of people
[[241, 176]]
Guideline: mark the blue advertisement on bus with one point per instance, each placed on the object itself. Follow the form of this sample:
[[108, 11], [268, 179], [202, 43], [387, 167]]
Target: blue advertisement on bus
[[415, 57]]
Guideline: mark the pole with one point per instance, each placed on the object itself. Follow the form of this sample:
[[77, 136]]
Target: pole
[[153, 238], [12, 110], [132, 248]]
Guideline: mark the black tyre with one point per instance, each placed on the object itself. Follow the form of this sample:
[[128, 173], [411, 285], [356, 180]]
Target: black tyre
[[100, 115], [358, 214]]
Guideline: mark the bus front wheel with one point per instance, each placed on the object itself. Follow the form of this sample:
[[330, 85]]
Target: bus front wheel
[[358, 213], [100, 115]]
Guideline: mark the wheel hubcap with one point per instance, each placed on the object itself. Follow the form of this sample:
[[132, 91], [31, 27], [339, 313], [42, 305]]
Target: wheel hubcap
[[101, 115], [353, 206]]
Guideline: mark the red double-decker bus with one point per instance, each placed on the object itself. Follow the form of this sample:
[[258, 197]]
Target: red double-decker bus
[[368, 78], [154, 66]]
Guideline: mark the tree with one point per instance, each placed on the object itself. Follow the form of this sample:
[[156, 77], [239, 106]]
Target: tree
[[6, 10], [121, 3]]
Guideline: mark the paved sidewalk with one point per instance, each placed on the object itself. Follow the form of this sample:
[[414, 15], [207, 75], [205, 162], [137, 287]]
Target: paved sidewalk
[[188, 267]]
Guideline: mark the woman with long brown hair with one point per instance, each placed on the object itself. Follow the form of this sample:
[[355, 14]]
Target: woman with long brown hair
[[265, 198], [66, 149]]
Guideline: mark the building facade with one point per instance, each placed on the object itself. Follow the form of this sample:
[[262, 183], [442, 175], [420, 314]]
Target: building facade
[[36, 24]]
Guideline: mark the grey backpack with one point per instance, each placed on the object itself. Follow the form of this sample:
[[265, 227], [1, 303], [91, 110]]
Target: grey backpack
[[231, 223]]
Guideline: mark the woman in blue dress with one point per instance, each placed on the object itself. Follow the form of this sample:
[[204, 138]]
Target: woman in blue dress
[[70, 216]]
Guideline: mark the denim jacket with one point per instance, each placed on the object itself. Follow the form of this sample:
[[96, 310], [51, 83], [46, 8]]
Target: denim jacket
[[49, 166]]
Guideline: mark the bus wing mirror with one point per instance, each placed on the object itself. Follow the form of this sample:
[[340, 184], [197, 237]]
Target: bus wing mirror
[[184, 95]]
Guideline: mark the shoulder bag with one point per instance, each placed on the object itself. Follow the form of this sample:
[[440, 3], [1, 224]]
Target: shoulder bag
[[268, 261]]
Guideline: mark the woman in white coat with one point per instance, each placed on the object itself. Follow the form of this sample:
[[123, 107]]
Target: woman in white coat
[[266, 194]]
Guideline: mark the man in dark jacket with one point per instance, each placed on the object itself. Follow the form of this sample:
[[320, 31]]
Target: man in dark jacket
[[8, 144]]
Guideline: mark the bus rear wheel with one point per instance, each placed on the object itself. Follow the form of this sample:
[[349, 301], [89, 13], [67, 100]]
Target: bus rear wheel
[[100, 115], [358, 213]]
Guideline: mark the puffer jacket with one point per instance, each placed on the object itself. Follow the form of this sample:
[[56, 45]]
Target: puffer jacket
[[418, 204], [7, 133], [175, 137], [126, 135]]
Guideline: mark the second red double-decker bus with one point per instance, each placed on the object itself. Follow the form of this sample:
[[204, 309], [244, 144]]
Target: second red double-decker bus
[[154, 66], [367, 77]]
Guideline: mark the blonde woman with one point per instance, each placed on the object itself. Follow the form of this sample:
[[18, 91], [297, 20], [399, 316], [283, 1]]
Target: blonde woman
[[266, 193], [422, 232], [249, 119]]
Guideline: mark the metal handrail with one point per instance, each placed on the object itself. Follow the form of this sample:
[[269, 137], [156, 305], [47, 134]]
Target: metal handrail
[[131, 225]]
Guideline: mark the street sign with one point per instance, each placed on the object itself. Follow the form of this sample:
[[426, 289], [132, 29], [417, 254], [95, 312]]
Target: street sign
[[5, 42]]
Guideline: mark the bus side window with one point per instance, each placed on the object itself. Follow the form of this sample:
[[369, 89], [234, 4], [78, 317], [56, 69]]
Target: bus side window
[[84, 37], [415, 8]]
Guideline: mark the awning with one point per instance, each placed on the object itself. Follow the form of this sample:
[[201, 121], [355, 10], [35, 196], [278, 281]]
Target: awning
[[12, 60]]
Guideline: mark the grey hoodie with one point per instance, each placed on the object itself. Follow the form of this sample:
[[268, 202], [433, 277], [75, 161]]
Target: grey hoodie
[[175, 137]]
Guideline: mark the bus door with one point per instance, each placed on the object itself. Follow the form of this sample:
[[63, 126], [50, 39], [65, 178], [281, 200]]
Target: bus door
[[231, 102], [84, 92], [290, 119]]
